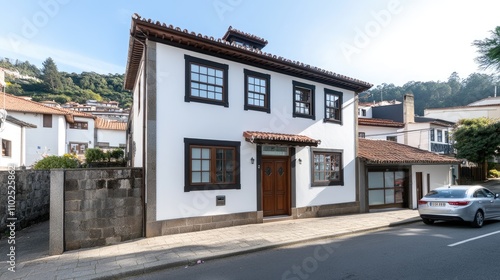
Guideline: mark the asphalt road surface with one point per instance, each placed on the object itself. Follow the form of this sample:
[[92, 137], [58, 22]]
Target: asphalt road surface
[[417, 251]]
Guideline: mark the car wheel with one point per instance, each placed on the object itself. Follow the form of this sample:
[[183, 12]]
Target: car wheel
[[478, 219], [428, 221]]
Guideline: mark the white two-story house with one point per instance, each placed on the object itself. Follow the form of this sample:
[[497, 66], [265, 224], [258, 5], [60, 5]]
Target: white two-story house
[[228, 134]]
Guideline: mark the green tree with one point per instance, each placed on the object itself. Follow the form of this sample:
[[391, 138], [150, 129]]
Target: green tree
[[51, 76], [489, 50], [477, 139]]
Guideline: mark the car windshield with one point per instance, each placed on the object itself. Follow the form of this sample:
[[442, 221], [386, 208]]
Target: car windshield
[[446, 193]]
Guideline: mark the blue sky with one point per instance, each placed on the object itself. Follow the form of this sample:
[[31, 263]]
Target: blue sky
[[377, 41]]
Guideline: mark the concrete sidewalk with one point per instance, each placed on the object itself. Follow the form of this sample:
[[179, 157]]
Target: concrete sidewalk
[[148, 254]]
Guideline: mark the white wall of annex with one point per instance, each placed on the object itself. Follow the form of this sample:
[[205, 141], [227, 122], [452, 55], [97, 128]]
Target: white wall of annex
[[177, 119], [12, 133], [440, 175], [378, 132], [42, 140], [113, 137], [418, 135]]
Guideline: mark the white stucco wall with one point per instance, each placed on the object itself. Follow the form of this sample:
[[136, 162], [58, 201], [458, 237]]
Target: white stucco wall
[[113, 137], [80, 135], [440, 175], [456, 114], [177, 119], [12, 132], [378, 132], [40, 140], [137, 115]]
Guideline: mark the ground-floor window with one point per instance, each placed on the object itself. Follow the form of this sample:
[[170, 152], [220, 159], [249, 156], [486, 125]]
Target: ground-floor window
[[211, 164], [78, 148], [386, 187], [327, 168], [6, 148]]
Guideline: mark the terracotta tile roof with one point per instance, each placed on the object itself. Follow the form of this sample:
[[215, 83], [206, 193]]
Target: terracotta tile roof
[[18, 104], [101, 123], [379, 122], [143, 28], [279, 138], [244, 34], [389, 152]]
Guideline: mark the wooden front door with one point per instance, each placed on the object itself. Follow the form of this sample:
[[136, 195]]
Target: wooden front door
[[420, 187], [275, 174]]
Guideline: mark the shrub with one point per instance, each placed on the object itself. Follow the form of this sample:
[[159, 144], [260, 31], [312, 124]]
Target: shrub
[[117, 154], [65, 161], [493, 173], [94, 155]]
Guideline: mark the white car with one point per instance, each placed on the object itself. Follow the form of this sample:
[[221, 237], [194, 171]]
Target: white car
[[472, 204]]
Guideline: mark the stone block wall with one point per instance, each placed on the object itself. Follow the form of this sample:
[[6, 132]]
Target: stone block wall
[[102, 206], [32, 197]]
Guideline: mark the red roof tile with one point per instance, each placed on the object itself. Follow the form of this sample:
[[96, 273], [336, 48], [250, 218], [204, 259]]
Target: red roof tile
[[101, 123], [279, 138], [379, 122], [389, 152]]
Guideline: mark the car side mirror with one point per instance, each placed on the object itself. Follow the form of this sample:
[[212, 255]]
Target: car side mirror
[[497, 195]]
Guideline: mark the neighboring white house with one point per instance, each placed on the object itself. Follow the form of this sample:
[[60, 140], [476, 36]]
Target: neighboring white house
[[13, 137], [110, 134], [56, 131], [228, 134], [397, 122], [488, 107]]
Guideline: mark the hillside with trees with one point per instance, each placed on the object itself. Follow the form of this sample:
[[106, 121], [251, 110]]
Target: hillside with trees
[[48, 83]]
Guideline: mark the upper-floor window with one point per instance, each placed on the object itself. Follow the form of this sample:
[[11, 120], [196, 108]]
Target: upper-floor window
[[432, 134], [333, 106], [446, 137], [6, 148], [362, 112], [206, 81], [439, 135], [257, 91], [47, 120], [327, 168], [303, 100], [392, 138], [361, 135], [79, 125], [211, 164]]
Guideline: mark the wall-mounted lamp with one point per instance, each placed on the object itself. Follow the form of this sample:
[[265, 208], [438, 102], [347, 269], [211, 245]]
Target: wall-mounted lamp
[[300, 161], [252, 160]]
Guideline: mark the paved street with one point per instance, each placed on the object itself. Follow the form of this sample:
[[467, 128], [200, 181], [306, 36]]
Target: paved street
[[148, 254]]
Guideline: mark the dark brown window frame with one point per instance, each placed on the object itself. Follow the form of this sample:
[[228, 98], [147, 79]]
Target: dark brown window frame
[[311, 88], [322, 183], [47, 120], [361, 134], [6, 148], [209, 64], [340, 102], [267, 98], [79, 125], [189, 143]]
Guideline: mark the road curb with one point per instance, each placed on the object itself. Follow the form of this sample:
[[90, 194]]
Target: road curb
[[188, 262]]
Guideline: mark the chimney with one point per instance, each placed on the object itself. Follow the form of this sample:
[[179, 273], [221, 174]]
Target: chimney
[[408, 108]]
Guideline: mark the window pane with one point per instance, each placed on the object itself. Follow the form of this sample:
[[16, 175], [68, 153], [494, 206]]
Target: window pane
[[196, 153], [205, 165], [389, 196], [389, 179], [375, 180], [205, 177], [196, 165], [376, 197], [205, 153], [196, 177]]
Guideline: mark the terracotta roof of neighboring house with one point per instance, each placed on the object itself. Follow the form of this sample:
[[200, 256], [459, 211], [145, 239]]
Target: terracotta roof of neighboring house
[[232, 30], [156, 31], [101, 123], [279, 138], [379, 122], [19, 104], [13, 120], [389, 152]]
